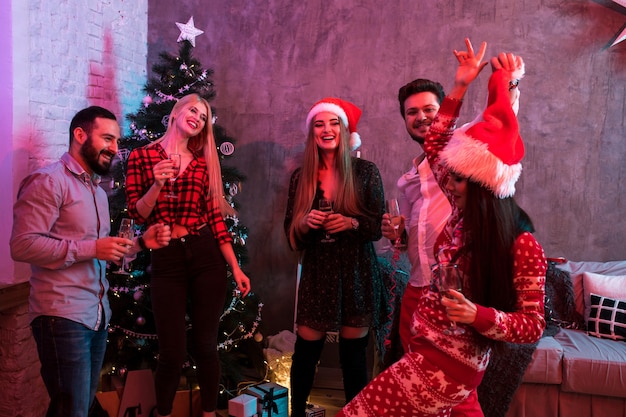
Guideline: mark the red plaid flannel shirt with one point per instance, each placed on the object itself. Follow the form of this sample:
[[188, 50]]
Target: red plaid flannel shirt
[[191, 209]]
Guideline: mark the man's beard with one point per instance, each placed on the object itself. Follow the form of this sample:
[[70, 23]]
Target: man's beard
[[417, 139], [92, 156]]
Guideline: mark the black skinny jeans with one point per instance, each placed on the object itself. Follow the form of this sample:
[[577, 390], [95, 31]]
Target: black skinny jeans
[[191, 268]]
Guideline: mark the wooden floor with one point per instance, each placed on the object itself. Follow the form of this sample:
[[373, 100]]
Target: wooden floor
[[332, 400]]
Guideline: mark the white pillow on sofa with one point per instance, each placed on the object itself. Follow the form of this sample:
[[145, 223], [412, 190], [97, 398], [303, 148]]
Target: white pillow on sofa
[[613, 286]]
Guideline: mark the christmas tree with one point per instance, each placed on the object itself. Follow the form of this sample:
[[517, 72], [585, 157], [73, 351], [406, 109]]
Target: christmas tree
[[132, 339]]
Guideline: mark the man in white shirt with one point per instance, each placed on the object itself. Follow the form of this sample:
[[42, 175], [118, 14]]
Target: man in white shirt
[[425, 210], [423, 205]]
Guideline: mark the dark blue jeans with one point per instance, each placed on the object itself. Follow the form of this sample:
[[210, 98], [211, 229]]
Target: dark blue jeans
[[189, 270], [71, 358]]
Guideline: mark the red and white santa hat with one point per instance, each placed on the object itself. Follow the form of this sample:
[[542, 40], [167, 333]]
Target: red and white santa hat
[[489, 150], [346, 111]]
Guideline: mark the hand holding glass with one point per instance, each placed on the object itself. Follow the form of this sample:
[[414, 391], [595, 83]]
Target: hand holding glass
[[448, 278], [175, 158], [326, 206], [127, 231], [396, 219]]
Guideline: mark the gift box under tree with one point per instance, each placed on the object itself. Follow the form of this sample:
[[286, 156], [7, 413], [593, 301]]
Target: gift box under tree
[[273, 399]]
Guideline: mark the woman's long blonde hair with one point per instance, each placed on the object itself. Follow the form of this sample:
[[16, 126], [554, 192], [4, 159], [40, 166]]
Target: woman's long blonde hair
[[346, 199], [205, 142]]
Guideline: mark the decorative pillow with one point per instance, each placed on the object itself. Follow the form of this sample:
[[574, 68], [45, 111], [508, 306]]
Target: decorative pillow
[[604, 285], [607, 318], [560, 307]]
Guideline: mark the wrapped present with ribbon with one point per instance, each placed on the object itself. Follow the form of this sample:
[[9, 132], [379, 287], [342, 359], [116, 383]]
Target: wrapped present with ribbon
[[243, 405], [272, 398]]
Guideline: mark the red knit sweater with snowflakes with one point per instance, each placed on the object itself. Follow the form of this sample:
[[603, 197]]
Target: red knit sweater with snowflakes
[[441, 370]]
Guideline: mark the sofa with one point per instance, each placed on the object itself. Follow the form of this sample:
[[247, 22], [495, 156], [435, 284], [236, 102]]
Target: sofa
[[579, 370]]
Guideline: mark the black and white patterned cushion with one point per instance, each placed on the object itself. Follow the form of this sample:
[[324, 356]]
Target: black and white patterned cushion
[[607, 318]]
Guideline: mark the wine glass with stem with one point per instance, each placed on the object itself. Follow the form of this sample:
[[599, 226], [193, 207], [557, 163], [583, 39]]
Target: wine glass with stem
[[127, 231], [175, 158], [396, 218], [326, 206], [448, 278]]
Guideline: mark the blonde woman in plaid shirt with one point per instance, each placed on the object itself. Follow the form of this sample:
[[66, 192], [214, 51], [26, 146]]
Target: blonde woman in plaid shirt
[[193, 266]]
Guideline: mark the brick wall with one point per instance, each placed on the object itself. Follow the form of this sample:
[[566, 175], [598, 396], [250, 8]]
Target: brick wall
[[81, 53], [22, 392], [67, 55]]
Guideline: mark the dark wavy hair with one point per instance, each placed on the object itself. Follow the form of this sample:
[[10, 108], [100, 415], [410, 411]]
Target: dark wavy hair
[[491, 225], [419, 85], [86, 117]]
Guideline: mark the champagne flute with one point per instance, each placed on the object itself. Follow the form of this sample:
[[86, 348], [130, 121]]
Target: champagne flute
[[394, 214], [127, 231], [175, 158], [448, 278], [326, 206]]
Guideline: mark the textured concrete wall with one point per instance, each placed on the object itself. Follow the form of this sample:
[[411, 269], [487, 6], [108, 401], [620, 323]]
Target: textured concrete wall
[[274, 59]]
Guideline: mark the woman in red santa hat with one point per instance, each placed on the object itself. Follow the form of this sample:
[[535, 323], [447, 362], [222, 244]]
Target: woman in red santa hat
[[341, 286], [488, 237]]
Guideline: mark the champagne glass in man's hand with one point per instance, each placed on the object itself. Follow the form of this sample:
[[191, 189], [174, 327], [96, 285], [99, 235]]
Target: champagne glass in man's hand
[[325, 205], [127, 231], [396, 220]]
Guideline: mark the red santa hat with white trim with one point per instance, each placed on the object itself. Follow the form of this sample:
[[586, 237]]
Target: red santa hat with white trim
[[346, 111], [489, 150]]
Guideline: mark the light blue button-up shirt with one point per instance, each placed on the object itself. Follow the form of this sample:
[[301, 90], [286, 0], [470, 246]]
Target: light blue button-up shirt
[[59, 214]]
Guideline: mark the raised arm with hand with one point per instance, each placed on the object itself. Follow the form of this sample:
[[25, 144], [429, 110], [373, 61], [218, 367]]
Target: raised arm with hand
[[470, 65], [514, 65]]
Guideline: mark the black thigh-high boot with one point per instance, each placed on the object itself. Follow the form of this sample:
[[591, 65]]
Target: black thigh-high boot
[[353, 360], [306, 355]]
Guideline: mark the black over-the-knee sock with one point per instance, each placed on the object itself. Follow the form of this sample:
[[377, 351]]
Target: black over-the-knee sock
[[353, 359], [304, 361]]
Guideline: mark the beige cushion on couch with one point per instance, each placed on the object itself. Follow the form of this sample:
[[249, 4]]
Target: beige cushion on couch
[[592, 365], [613, 286]]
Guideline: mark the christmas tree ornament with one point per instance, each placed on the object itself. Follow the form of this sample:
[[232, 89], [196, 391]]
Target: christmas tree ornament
[[141, 320], [123, 154], [188, 32], [147, 100], [233, 190], [227, 148]]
